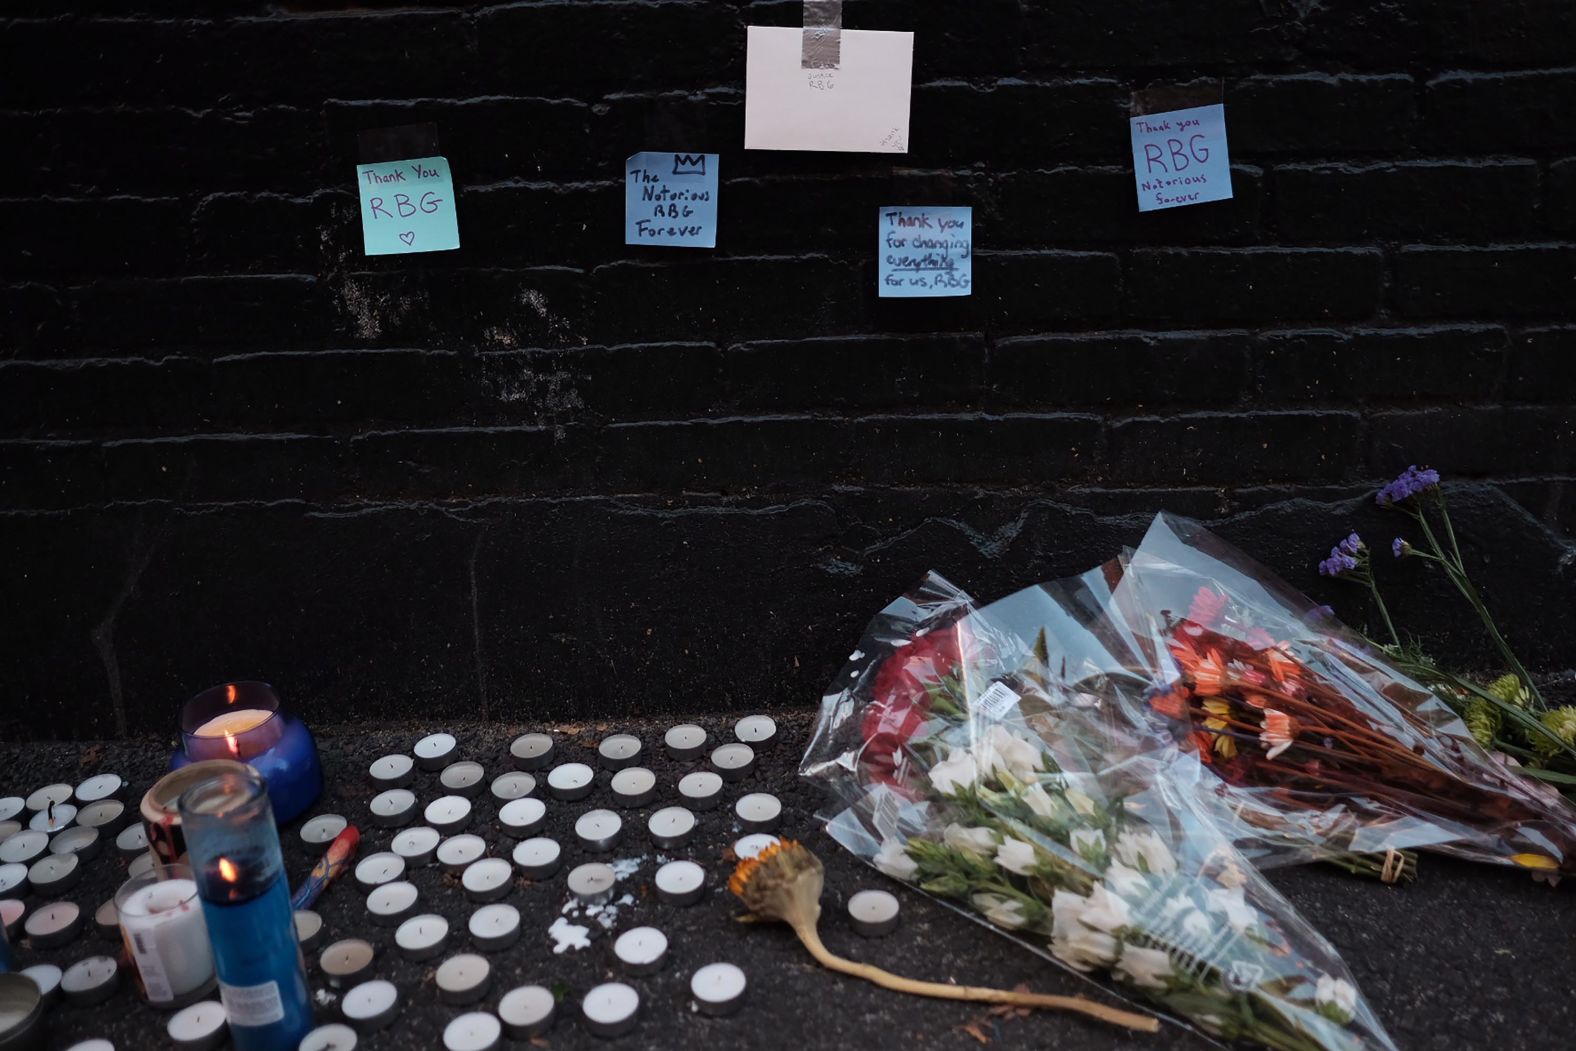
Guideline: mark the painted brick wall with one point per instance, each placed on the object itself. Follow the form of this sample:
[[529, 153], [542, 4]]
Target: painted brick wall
[[551, 475]]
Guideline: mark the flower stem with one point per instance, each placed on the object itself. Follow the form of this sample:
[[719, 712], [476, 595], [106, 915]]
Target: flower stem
[[1384, 611]]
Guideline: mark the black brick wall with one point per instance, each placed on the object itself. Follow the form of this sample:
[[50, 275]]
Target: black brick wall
[[551, 475]]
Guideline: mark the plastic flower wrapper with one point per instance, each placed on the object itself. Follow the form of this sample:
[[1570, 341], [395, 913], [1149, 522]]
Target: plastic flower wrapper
[[1112, 869]]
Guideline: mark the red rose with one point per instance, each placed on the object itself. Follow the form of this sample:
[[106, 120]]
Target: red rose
[[900, 697]]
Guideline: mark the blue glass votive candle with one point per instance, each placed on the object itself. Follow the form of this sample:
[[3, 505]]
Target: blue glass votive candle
[[240, 874], [245, 721]]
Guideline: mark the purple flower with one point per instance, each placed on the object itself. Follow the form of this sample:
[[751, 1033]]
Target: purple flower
[[1338, 563], [1400, 549], [1351, 545], [1407, 485]]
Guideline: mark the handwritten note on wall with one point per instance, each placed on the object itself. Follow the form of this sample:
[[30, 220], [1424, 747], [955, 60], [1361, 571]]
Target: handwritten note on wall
[[926, 251], [671, 199], [1180, 158], [408, 206], [860, 107]]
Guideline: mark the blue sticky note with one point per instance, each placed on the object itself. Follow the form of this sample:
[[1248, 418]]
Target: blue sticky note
[[1180, 158], [671, 199], [408, 206], [925, 251]]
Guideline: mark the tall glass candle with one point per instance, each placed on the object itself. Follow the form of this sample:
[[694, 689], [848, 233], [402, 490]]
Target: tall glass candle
[[240, 876], [161, 922], [245, 721]]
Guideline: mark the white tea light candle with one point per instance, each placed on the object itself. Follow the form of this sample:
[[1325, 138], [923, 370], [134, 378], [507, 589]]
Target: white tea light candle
[[81, 841], [718, 989], [346, 963], [634, 786], [393, 771], [531, 751], [90, 981], [759, 812], [11, 806], [681, 883], [47, 977], [701, 789], [538, 858], [416, 845], [13, 879], [642, 950], [322, 829], [671, 827], [9, 829], [392, 903], [336, 1036], [24, 848], [393, 807], [618, 751], [516, 784], [11, 912], [570, 781], [54, 873], [495, 927], [463, 979], [105, 815], [599, 830], [374, 870], [592, 884], [527, 1011], [100, 786], [463, 779], [757, 731], [522, 817], [873, 913], [203, 1026], [435, 751], [457, 852], [133, 839], [55, 818], [733, 761], [422, 937], [752, 845], [488, 879], [107, 919], [448, 814], [475, 1031], [685, 741], [142, 864], [49, 794], [370, 1006], [309, 929], [609, 1010]]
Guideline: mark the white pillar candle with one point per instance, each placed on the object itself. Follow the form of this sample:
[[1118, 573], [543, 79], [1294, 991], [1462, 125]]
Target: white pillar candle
[[681, 883], [531, 751], [13, 879], [346, 962], [592, 883], [11, 806], [309, 929], [873, 913], [718, 988], [457, 852], [599, 830], [133, 839], [53, 924], [495, 927], [671, 827], [107, 919], [619, 751], [416, 845], [393, 807], [752, 845], [488, 879], [43, 797], [81, 841], [374, 870], [90, 981], [163, 928], [522, 817], [474, 1031], [610, 1009], [370, 1006], [733, 761], [701, 789], [463, 779], [759, 812], [527, 1011], [516, 784], [322, 829], [422, 937], [634, 786], [448, 814], [685, 741], [336, 1036], [54, 873], [570, 781], [538, 858], [47, 977], [11, 912], [100, 786], [390, 904], [435, 751], [105, 815], [201, 1027], [393, 771], [757, 731], [642, 950], [463, 979]]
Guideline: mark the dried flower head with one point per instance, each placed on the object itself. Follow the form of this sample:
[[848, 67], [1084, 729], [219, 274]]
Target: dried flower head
[[782, 882]]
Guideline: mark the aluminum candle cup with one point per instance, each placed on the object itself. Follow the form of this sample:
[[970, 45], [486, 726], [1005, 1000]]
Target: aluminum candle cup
[[757, 731], [50, 795], [21, 1014], [522, 817], [495, 927], [393, 808], [701, 789], [132, 840], [422, 937], [107, 919], [392, 903], [751, 845], [685, 741], [759, 812], [99, 787], [592, 884], [641, 950], [599, 830], [634, 786], [47, 977], [531, 751], [538, 858], [57, 817], [416, 845], [514, 785], [476, 1031], [336, 1036], [873, 913], [681, 883], [733, 762], [618, 751], [374, 870], [11, 806], [370, 1006], [166, 936], [11, 913], [160, 808], [246, 721], [527, 1011], [448, 814], [435, 751], [108, 816], [309, 929], [142, 864], [24, 848], [90, 981], [610, 1010], [200, 1027], [463, 779], [54, 873], [488, 879], [463, 979], [9, 828], [671, 827], [570, 781], [347, 962], [718, 989], [13, 879], [84, 842], [53, 925], [393, 771], [322, 829], [457, 852]]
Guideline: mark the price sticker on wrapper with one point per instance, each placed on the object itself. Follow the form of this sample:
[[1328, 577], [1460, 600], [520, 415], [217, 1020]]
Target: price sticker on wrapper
[[995, 701]]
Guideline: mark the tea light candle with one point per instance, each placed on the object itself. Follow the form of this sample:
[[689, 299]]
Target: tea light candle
[[671, 827], [733, 761], [13, 878], [718, 989], [393, 808], [203, 1026], [90, 981], [105, 815], [393, 771], [53, 924], [685, 741], [390, 904], [487, 879], [475, 1031], [759, 812], [527, 1011], [457, 852], [701, 789], [495, 927], [634, 786], [42, 799], [374, 870], [416, 845], [435, 751], [873, 913], [642, 950], [610, 1009], [757, 731], [100, 786], [133, 839], [11, 806], [9, 829], [370, 1006], [599, 830], [97, 1043], [538, 858], [448, 814], [309, 929], [11, 912], [54, 818], [81, 841], [592, 883], [463, 979], [463, 779], [531, 751], [54, 873], [47, 977], [619, 751], [515, 784], [752, 845], [346, 962], [522, 817], [106, 918], [681, 883], [322, 829], [142, 864], [422, 937], [570, 781], [335, 1036]]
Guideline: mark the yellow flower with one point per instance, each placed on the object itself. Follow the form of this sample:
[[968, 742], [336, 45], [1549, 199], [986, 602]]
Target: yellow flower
[[1535, 861], [1218, 711], [1226, 746]]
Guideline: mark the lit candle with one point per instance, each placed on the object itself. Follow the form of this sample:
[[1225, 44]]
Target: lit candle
[[522, 817], [56, 817], [239, 733], [463, 779], [476, 1031], [685, 741], [54, 924], [336, 1036], [570, 781], [13, 878], [873, 913], [245, 721], [592, 884], [733, 761], [390, 904], [166, 936], [516, 784], [599, 830], [681, 883], [43, 798], [416, 845], [90, 981], [634, 786], [393, 771], [538, 858], [346, 962], [531, 751], [435, 751], [671, 827], [393, 808], [200, 1027], [107, 815], [422, 937], [322, 829], [757, 731], [370, 1006], [701, 789], [527, 1011], [54, 873], [374, 870], [752, 845], [82, 841], [610, 1009], [759, 812], [309, 929], [718, 989], [619, 751], [642, 950], [457, 852], [100, 787], [463, 979], [448, 814], [487, 879], [495, 927]]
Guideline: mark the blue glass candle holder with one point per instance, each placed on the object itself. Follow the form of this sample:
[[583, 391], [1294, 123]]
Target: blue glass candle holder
[[245, 721], [240, 875]]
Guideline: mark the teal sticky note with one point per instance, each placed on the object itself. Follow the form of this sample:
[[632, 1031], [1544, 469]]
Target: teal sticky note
[[671, 199], [408, 206], [1180, 157], [925, 251]]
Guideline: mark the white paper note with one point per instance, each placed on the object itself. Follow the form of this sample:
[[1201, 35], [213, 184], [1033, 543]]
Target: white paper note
[[861, 107]]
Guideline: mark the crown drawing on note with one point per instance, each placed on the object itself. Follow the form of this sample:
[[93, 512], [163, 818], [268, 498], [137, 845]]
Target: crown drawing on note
[[689, 164]]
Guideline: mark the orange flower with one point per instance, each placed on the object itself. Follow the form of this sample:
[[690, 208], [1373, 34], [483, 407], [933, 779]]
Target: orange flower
[[1282, 664], [1276, 736], [1209, 673], [1169, 704], [1205, 744]]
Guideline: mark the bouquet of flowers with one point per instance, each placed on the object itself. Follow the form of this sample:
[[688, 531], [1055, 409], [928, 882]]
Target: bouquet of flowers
[[1100, 857]]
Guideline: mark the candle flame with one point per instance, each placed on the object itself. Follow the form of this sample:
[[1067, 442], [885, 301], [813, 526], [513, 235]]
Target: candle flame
[[230, 742], [227, 870], [229, 694]]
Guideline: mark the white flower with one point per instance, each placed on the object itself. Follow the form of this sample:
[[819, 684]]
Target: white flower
[[978, 840], [1001, 910], [1088, 842], [1128, 882], [1175, 906], [1145, 967], [1080, 802], [1084, 949], [1038, 800], [1015, 855], [1336, 996], [1145, 851], [954, 773], [1004, 750], [1067, 910], [893, 859], [1197, 926], [1238, 912], [1106, 911]]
